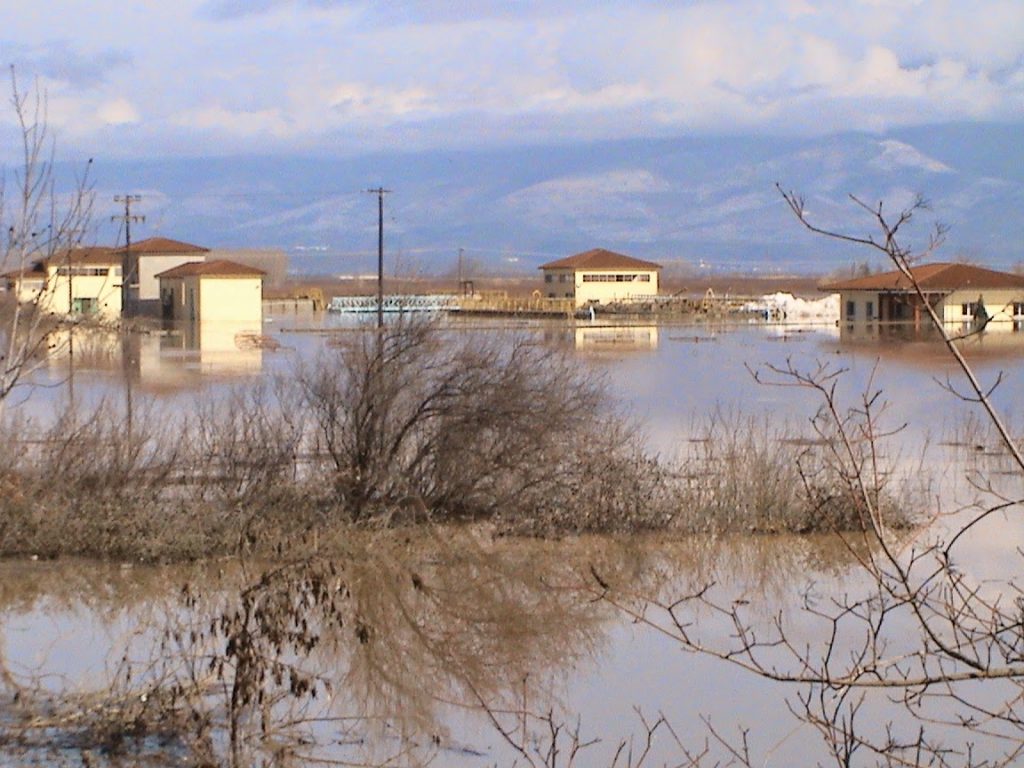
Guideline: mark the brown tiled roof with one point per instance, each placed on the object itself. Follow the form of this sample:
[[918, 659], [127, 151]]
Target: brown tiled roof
[[599, 258], [36, 271], [940, 277], [216, 268], [161, 245], [95, 254]]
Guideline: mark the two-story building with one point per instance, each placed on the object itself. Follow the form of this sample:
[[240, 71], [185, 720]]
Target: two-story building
[[148, 258], [599, 276], [88, 280], [84, 281]]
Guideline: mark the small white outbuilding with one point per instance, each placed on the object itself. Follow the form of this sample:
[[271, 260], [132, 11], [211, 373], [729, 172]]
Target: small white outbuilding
[[213, 291]]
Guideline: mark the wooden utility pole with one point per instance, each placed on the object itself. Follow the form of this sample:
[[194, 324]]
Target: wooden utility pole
[[461, 290], [129, 264], [380, 192]]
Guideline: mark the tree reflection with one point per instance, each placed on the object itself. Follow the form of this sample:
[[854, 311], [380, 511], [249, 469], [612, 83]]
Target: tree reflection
[[383, 643]]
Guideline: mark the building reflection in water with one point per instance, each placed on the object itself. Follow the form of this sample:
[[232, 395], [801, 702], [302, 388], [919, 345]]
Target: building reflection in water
[[615, 337], [995, 339], [604, 338], [171, 358]]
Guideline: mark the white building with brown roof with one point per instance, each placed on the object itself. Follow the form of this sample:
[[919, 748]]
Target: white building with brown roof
[[213, 291], [955, 291], [148, 258], [599, 276], [79, 281]]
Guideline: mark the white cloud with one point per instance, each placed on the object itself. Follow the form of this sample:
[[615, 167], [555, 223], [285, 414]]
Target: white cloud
[[313, 73], [358, 100], [237, 122], [117, 112]]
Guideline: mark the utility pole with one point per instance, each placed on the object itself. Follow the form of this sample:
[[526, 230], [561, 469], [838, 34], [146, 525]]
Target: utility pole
[[129, 264], [380, 192], [460, 291], [76, 235]]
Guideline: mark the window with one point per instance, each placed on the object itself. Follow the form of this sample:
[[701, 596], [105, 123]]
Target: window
[[851, 309], [869, 310], [563, 278], [84, 306], [548, 277], [969, 309], [1018, 309]]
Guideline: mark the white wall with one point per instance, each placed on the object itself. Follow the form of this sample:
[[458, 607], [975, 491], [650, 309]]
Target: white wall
[[998, 303], [104, 289], [232, 299], [151, 266], [643, 285]]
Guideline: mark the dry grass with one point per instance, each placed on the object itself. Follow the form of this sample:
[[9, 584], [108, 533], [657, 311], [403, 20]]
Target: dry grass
[[405, 427]]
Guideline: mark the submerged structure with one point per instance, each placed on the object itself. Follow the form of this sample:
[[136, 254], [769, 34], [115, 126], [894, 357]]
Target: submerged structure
[[84, 281], [959, 293], [212, 291]]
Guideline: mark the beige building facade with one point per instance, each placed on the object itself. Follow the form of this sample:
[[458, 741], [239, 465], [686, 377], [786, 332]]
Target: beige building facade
[[81, 281], [600, 276], [211, 292], [957, 292], [155, 255]]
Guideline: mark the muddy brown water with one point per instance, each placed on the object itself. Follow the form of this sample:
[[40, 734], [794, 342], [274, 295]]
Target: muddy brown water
[[522, 625]]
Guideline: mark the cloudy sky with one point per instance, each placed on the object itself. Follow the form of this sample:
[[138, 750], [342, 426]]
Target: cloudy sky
[[216, 77]]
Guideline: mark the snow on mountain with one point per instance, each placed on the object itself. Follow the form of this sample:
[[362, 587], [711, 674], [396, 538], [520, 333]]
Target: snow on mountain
[[710, 199]]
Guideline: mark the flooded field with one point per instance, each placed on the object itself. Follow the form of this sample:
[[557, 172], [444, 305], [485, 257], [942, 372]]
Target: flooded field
[[454, 646]]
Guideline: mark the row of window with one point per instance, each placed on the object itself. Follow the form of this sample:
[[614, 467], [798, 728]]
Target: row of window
[[646, 278], [970, 309], [78, 271], [967, 309], [600, 278]]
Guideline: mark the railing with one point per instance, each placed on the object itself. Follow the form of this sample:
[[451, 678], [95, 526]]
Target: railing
[[495, 302], [513, 305], [394, 303]]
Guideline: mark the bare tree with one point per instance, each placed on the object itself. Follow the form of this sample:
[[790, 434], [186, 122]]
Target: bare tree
[[408, 421], [921, 663], [38, 223]]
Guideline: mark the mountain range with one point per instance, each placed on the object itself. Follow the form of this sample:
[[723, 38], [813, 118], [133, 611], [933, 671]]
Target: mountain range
[[689, 203]]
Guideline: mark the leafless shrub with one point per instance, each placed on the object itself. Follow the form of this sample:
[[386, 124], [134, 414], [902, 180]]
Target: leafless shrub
[[920, 663], [407, 420], [744, 473], [86, 485]]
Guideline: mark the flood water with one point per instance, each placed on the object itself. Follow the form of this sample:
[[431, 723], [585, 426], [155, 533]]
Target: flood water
[[440, 630]]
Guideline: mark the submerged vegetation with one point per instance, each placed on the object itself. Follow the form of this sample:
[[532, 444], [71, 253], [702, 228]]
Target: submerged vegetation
[[396, 428], [360, 657]]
